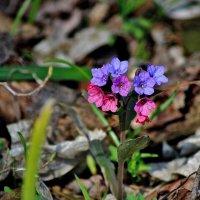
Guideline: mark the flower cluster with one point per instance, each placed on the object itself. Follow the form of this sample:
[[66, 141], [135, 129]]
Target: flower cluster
[[144, 84], [114, 71], [110, 84], [143, 108]]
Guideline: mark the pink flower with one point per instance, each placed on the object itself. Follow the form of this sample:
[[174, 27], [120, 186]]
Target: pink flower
[[141, 119], [109, 103], [96, 95], [144, 106]]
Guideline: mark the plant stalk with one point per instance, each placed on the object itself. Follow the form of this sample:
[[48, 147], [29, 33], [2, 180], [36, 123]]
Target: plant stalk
[[120, 174]]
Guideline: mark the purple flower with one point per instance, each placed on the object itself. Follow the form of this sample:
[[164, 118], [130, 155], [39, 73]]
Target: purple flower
[[143, 83], [100, 75], [121, 85], [117, 68], [157, 73]]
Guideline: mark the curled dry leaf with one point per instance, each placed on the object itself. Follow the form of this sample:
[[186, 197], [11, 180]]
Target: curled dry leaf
[[43, 190], [68, 155], [190, 145], [164, 170]]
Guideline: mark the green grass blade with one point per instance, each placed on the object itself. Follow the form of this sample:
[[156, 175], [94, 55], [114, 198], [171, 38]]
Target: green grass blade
[[23, 141], [33, 156], [19, 16], [34, 10], [105, 164], [83, 189], [20, 73]]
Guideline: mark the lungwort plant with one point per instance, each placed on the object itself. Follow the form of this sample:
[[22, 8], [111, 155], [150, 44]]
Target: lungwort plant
[[112, 91]]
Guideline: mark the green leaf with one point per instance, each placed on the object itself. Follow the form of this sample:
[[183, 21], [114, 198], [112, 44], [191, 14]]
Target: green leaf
[[126, 115], [7, 189], [83, 189], [136, 164], [34, 9], [135, 197], [113, 153], [23, 141], [126, 149], [105, 164], [18, 73], [91, 164], [2, 144]]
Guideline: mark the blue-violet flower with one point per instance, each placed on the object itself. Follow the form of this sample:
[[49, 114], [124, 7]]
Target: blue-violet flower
[[121, 85], [143, 83], [157, 73], [118, 67], [100, 75]]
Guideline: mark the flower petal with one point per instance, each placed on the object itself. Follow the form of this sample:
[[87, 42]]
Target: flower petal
[[150, 82], [115, 62], [159, 71], [151, 69], [161, 79], [148, 90], [96, 72], [123, 67], [139, 90], [105, 69]]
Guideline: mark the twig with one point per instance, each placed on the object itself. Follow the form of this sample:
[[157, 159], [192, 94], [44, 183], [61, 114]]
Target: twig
[[195, 195], [5, 170], [41, 85], [49, 161], [180, 185]]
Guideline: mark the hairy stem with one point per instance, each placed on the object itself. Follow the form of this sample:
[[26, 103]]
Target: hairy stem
[[120, 175]]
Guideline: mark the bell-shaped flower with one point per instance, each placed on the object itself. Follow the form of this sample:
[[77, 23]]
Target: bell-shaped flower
[[157, 73], [109, 103], [121, 85], [96, 95], [118, 67], [100, 75], [143, 83]]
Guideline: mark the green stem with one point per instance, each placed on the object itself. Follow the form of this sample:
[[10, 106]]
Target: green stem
[[120, 174], [105, 123]]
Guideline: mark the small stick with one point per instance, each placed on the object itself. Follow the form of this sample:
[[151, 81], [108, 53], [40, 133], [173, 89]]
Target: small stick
[[195, 195], [180, 185]]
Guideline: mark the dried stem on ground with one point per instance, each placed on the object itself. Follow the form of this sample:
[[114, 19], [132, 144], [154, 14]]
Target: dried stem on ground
[[41, 85]]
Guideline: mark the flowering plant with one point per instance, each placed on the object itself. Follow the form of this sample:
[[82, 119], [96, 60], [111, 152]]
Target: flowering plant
[[111, 90]]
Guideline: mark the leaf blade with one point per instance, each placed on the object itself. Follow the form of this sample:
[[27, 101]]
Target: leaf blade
[[83, 189], [126, 149]]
